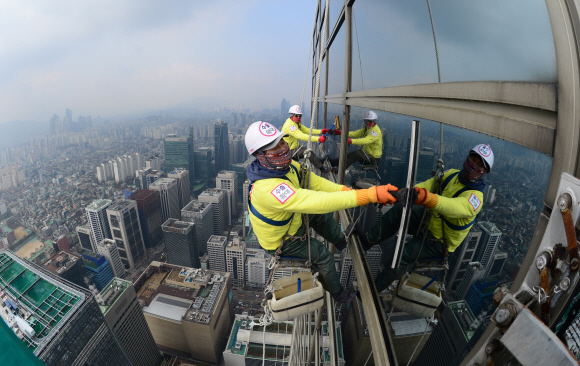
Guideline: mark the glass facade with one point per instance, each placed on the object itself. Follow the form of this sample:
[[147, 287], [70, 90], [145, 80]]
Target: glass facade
[[179, 154]]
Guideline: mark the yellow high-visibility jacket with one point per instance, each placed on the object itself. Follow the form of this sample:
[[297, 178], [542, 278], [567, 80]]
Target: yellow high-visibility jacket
[[372, 140], [459, 212], [298, 132], [276, 205]]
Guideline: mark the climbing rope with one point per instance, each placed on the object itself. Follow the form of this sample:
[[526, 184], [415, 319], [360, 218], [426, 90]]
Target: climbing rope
[[434, 41], [359, 55]]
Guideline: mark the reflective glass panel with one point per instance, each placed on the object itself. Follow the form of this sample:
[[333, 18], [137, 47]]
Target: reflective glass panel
[[336, 65], [477, 41]]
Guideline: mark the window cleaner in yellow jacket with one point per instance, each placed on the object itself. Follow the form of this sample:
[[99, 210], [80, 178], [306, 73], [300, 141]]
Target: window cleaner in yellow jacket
[[276, 204], [295, 131], [456, 208], [370, 137]]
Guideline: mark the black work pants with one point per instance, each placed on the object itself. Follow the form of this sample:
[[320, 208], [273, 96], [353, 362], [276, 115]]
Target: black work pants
[[352, 157], [298, 153]]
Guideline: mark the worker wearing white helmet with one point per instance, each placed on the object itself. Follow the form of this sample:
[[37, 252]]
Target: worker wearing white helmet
[[295, 131], [276, 204], [454, 213], [371, 139]]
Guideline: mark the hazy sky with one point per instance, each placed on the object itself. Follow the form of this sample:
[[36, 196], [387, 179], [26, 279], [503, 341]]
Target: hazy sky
[[113, 58], [117, 57]]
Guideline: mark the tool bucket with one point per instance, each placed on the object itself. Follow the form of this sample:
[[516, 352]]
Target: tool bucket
[[288, 301], [410, 298]]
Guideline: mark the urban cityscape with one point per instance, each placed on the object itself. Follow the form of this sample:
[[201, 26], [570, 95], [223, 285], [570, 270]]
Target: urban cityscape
[[155, 211]]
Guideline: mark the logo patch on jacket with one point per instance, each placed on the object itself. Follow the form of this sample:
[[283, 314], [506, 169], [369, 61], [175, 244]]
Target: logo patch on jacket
[[475, 202], [293, 128], [283, 192], [374, 133]]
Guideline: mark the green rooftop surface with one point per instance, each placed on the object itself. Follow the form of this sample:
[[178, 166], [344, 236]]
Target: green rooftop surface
[[109, 287], [19, 354], [6, 229], [48, 303]]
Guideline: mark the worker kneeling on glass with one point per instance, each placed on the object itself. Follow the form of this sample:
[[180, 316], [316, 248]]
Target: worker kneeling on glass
[[454, 213], [276, 204]]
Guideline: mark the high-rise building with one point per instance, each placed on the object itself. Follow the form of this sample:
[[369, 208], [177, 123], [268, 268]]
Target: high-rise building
[[200, 213], [141, 178], [479, 296], [119, 304], [244, 348], [183, 190], [471, 275], [181, 243], [217, 198], [496, 265], [98, 269], [462, 256], [236, 260], [68, 114], [59, 322], [179, 154], [216, 250], [246, 193], [188, 312], [228, 180], [240, 170], [347, 272], [153, 176], [168, 193], [68, 266], [97, 220], [203, 166], [425, 164], [126, 232], [85, 238], [450, 337], [108, 249], [62, 243], [397, 171], [284, 107], [149, 209], [257, 271], [488, 243], [54, 121], [221, 146]]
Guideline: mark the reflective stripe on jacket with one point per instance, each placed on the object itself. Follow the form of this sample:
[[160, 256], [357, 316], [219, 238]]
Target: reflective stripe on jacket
[[459, 213], [280, 202], [370, 138], [297, 132]]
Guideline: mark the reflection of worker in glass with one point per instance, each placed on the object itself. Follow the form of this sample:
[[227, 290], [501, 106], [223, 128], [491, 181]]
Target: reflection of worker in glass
[[454, 213], [371, 137], [295, 131], [276, 204]]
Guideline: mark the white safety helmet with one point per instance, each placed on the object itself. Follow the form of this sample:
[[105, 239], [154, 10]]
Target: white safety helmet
[[486, 154], [262, 135], [371, 116], [295, 109]]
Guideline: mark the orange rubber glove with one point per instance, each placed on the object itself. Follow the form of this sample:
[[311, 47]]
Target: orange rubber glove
[[426, 198], [376, 194], [345, 188]]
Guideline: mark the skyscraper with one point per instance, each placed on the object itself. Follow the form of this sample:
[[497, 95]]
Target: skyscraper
[[495, 266], [216, 250], [120, 306], [85, 238], [68, 266], [183, 190], [218, 202], [463, 255], [235, 261], [479, 296], [200, 213], [179, 154], [97, 220], [58, 321], [221, 146], [181, 243], [149, 209], [240, 170], [126, 231], [168, 193], [203, 166], [425, 164], [228, 180], [488, 243], [109, 250], [347, 272], [98, 269]]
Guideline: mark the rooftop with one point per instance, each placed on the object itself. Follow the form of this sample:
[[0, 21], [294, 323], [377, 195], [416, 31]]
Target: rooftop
[[41, 303], [177, 226], [111, 293], [490, 227], [60, 262], [196, 206], [213, 192], [120, 204], [162, 181], [180, 293], [464, 317], [98, 204]]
